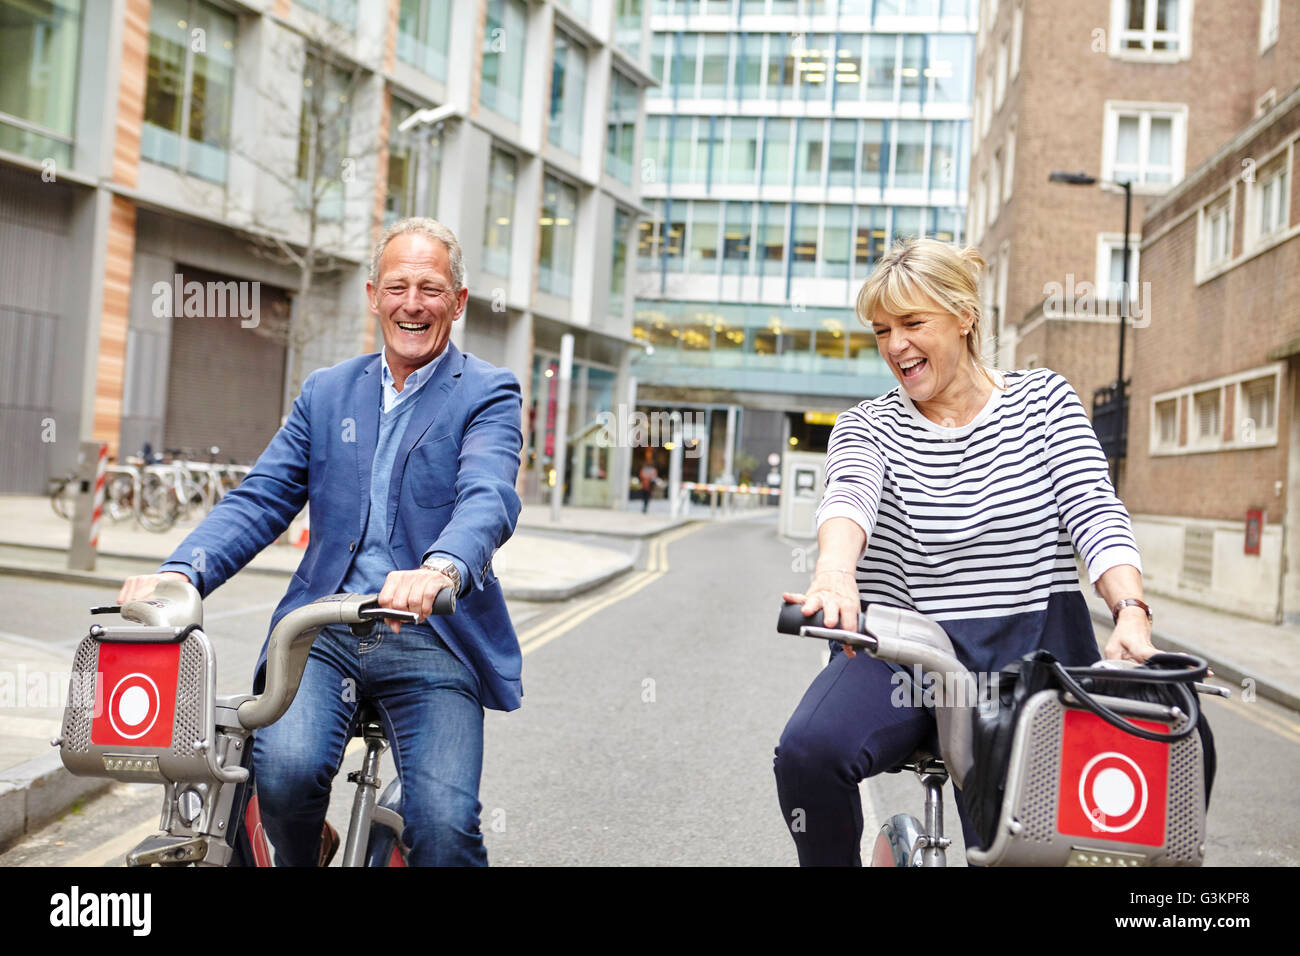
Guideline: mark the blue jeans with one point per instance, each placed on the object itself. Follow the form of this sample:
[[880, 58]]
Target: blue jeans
[[845, 729], [428, 701]]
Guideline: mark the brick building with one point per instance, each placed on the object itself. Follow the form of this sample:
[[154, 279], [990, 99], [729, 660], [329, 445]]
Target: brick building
[[1137, 90], [1214, 419]]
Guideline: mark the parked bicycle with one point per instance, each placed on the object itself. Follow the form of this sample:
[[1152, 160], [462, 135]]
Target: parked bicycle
[[142, 708]]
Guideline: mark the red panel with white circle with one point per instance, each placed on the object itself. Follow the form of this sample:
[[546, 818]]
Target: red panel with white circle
[[1114, 786], [135, 693]]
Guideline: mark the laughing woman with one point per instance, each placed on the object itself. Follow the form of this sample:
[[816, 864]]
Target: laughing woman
[[963, 494]]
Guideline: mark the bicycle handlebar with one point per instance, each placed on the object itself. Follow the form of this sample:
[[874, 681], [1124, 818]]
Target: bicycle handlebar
[[286, 651], [911, 639]]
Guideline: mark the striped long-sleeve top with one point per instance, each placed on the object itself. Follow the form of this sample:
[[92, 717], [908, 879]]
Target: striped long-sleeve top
[[976, 526]]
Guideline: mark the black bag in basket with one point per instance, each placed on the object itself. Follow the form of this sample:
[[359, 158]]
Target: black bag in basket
[[1165, 679]]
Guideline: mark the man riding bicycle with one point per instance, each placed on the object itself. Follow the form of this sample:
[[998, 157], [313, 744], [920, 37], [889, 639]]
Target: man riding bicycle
[[407, 459]]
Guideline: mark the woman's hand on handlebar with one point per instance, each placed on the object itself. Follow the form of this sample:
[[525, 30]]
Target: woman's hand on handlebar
[[835, 594], [140, 586], [412, 591]]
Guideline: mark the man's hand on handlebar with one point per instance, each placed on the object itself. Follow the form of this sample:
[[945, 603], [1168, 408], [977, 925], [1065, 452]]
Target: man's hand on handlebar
[[140, 586], [412, 591], [835, 594], [1131, 639]]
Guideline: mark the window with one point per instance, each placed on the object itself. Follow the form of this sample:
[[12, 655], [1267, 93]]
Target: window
[[620, 138], [910, 80], [713, 66], [618, 264], [568, 94], [497, 228], [1267, 24], [422, 30], [776, 152], [780, 67], [748, 80], [1017, 33], [649, 236], [1271, 198], [835, 241], [323, 131], [872, 238], [1207, 426], [950, 68], [736, 238], [873, 153], [1158, 28], [1144, 146], [1257, 410], [1009, 163], [986, 104], [38, 76], [503, 60], [977, 201], [188, 89], [627, 27], [1216, 232], [995, 186], [703, 256], [342, 12], [803, 242], [772, 247], [1110, 266], [559, 212], [741, 166], [943, 155], [411, 155], [1000, 77], [843, 156], [1164, 431], [881, 62], [909, 154], [812, 149], [848, 69]]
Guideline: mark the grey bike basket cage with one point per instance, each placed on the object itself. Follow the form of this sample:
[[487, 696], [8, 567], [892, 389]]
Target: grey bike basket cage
[[1028, 830], [95, 738], [910, 638]]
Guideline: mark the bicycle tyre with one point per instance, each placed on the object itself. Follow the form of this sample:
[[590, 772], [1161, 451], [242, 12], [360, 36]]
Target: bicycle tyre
[[896, 842], [62, 496], [118, 495], [158, 505]]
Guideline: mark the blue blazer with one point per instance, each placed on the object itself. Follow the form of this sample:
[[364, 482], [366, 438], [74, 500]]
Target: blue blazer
[[452, 490]]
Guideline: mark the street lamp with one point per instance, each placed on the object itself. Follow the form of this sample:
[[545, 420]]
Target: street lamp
[[1121, 427]]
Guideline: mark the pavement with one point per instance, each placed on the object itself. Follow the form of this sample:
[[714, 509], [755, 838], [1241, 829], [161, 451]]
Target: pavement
[[545, 560]]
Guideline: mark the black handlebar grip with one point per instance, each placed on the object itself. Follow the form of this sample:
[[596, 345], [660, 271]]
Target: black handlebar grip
[[445, 602], [792, 619]]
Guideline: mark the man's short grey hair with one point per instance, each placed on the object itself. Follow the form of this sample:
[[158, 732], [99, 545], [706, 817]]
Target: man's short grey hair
[[430, 229]]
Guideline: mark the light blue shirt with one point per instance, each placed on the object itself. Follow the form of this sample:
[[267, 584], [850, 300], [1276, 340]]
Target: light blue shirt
[[391, 396]]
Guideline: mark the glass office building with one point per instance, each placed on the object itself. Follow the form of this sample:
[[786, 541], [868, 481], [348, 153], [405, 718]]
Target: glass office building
[[789, 144]]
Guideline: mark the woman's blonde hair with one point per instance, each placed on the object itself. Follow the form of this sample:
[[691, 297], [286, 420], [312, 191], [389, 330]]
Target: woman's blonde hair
[[918, 273]]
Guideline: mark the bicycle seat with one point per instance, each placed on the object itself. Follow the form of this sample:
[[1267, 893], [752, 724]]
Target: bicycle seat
[[367, 721]]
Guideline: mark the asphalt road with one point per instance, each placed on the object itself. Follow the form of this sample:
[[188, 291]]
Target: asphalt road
[[650, 713]]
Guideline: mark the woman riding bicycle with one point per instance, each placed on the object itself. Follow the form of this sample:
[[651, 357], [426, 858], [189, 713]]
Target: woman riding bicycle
[[963, 494]]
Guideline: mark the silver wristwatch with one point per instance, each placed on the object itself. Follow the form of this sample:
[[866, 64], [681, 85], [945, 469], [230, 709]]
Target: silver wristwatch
[[446, 568]]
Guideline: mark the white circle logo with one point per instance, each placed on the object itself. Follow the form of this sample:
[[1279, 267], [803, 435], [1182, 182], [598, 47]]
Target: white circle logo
[[134, 703], [1113, 792]]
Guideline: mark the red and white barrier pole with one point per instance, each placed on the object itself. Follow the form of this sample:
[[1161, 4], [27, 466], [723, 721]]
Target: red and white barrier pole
[[101, 466]]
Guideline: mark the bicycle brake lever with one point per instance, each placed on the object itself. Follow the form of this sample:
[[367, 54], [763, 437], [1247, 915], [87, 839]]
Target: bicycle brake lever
[[106, 609]]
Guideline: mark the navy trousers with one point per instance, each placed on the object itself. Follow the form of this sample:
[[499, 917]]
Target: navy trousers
[[845, 729]]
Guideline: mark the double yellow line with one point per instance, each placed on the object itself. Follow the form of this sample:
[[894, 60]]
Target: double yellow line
[[656, 567]]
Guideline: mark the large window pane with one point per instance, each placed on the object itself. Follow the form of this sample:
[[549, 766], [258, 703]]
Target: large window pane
[[620, 142], [559, 212], [873, 153], [618, 264], [881, 65], [742, 152], [843, 158], [704, 237], [399, 200], [736, 240], [164, 95], [713, 66], [909, 154], [38, 74], [211, 89], [907, 222], [943, 155], [835, 241], [503, 57], [951, 68], [848, 69], [498, 224], [776, 152], [812, 149], [749, 66], [910, 73], [568, 92], [773, 237], [871, 240], [422, 30], [780, 67], [803, 242]]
